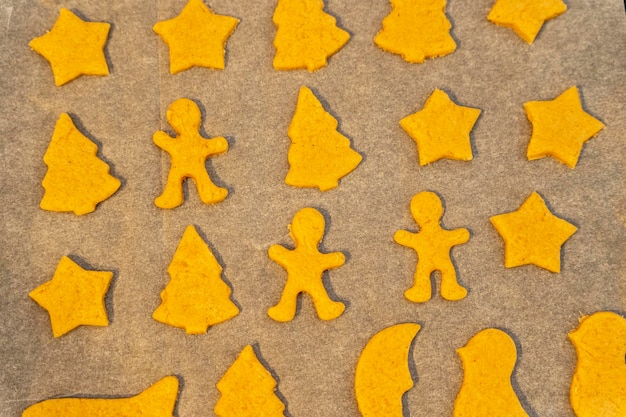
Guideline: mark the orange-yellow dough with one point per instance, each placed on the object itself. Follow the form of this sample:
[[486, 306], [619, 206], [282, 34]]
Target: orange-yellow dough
[[432, 244], [248, 389], [74, 297], [441, 129], [306, 35], [196, 37], [73, 47], [525, 17], [319, 156], [416, 30], [196, 297], [382, 372], [599, 385], [488, 362], [156, 401], [533, 235], [189, 152], [560, 127], [305, 265], [76, 180]]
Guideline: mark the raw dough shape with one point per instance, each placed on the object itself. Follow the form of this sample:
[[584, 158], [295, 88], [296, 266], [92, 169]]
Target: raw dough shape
[[73, 47], [248, 389], [156, 401], [599, 384], [189, 152], [196, 297], [74, 297], [196, 37], [416, 30], [382, 372], [306, 35], [432, 244], [441, 129], [489, 359], [76, 180], [525, 17], [319, 156], [560, 127], [305, 265], [533, 235]]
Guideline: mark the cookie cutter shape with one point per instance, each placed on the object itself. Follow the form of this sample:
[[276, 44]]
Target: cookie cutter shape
[[73, 47], [599, 384], [416, 30], [432, 244], [188, 152], [441, 129], [196, 37], [319, 156], [533, 235], [525, 17], [306, 35], [560, 127], [74, 297], [489, 359], [305, 265], [196, 296], [76, 180], [382, 372], [156, 401]]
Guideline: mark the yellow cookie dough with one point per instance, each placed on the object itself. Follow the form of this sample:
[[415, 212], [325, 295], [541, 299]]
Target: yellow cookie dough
[[432, 244], [441, 129], [416, 30], [382, 372], [74, 297], [488, 362], [248, 389], [196, 297], [196, 37], [306, 35], [188, 152], [560, 127], [76, 180], [319, 156], [525, 17], [73, 47], [305, 265], [156, 401], [533, 235], [599, 384]]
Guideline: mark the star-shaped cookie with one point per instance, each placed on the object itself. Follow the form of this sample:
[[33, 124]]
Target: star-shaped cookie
[[74, 47], [196, 37], [560, 127], [533, 235], [441, 129], [74, 297], [525, 17]]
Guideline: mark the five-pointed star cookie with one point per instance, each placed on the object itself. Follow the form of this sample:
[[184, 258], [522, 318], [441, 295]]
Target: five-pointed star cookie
[[560, 127], [74, 297], [196, 37], [74, 47], [525, 17], [533, 235], [441, 129]]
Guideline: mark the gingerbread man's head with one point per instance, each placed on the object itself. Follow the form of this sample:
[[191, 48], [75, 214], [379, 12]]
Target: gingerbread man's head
[[184, 115], [426, 208], [307, 226]]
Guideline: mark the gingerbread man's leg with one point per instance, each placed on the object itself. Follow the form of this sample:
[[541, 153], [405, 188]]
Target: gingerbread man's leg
[[421, 290], [326, 308], [172, 195], [285, 310], [450, 288], [209, 192]]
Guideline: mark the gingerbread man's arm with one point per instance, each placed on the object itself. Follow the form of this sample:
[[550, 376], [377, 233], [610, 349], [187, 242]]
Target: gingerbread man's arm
[[162, 140], [333, 260], [279, 254], [458, 236], [405, 238], [215, 146]]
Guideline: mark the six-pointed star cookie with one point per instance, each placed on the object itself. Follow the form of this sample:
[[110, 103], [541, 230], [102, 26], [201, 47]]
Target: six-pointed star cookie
[[441, 129], [196, 37], [533, 235], [560, 127], [73, 47], [74, 297], [525, 17]]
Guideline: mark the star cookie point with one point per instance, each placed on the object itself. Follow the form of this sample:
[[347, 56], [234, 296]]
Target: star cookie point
[[525, 17]]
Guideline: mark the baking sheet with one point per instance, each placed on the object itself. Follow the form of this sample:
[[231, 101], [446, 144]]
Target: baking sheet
[[250, 104]]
